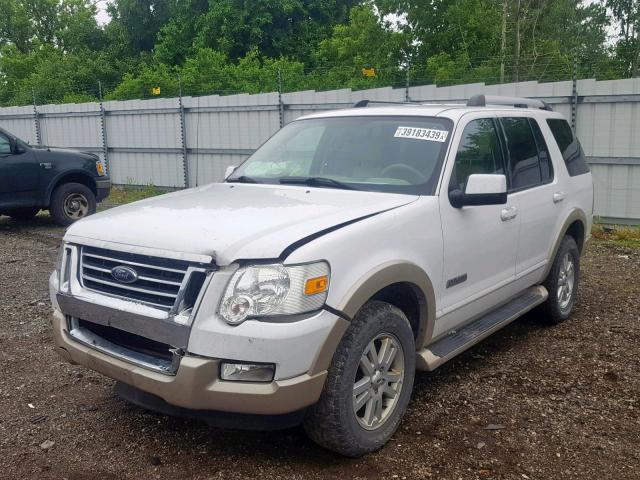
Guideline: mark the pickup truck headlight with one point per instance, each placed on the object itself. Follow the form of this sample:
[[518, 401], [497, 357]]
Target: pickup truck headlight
[[270, 290], [100, 168]]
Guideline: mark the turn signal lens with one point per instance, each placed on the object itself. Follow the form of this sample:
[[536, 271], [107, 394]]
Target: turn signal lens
[[316, 285], [100, 168]]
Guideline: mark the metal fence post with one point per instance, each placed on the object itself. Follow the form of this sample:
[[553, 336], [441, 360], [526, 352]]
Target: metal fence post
[[280, 104], [183, 136], [406, 86], [103, 130], [36, 119], [574, 93]]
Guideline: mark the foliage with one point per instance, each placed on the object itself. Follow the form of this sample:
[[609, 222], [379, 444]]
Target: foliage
[[121, 195], [55, 51]]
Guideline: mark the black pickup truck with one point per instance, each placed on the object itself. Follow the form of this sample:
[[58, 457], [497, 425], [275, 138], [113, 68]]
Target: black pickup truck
[[68, 183]]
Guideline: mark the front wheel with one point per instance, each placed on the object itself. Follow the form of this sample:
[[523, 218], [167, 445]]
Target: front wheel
[[71, 202], [562, 282], [369, 383]]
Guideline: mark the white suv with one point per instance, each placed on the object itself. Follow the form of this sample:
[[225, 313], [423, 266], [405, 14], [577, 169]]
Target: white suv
[[351, 249]]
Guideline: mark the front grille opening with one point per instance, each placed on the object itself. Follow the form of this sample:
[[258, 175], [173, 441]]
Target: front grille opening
[[129, 341], [157, 281], [192, 291]]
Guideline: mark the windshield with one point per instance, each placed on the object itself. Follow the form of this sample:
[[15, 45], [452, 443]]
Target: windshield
[[388, 154]]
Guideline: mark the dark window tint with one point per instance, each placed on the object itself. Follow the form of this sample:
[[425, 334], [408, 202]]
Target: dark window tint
[[569, 146], [523, 153], [479, 152], [546, 168], [5, 145]]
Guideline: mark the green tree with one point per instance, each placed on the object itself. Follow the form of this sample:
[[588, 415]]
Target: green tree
[[626, 14], [135, 24], [277, 28], [364, 42]]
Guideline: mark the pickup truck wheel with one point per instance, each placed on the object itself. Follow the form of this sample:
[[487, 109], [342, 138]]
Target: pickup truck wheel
[[23, 213], [71, 202], [369, 383], [562, 282]]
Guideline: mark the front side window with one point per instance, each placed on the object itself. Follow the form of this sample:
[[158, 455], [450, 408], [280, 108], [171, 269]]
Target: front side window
[[387, 154], [479, 152], [524, 164], [5, 145], [569, 146]]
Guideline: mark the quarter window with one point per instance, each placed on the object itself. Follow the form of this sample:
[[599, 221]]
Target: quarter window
[[569, 146], [524, 164], [479, 152]]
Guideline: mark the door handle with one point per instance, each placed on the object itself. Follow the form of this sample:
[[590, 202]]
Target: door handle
[[509, 213], [558, 197]]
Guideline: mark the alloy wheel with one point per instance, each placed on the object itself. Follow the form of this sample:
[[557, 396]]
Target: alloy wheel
[[378, 382]]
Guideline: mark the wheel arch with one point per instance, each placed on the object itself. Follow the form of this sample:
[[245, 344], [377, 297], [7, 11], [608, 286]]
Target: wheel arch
[[73, 176], [574, 225], [403, 284]]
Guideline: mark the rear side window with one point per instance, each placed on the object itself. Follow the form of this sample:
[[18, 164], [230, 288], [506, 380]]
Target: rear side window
[[479, 152], [524, 164], [546, 168], [569, 146]]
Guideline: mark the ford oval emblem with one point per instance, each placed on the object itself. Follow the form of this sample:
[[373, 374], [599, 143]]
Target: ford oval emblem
[[124, 274]]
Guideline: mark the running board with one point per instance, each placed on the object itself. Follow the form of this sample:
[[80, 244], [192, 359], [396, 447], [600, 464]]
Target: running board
[[456, 342]]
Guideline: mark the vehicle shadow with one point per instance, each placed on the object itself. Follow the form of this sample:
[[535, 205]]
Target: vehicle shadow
[[41, 221], [292, 447]]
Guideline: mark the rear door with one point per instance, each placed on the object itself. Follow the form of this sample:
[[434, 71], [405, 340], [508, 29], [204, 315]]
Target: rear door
[[479, 241], [19, 175], [532, 185]]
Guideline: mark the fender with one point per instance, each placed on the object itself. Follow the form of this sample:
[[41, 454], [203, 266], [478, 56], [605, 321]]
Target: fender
[[575, 214], [54, 181], [387, 274]]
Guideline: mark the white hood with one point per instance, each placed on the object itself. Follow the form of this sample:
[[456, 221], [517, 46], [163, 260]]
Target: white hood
[[231, 221]]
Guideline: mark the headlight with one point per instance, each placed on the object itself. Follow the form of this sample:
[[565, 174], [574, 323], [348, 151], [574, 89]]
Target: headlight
[[269, 290], [100, 168]]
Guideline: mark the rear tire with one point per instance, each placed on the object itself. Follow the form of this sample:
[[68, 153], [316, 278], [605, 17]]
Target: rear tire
[[562, 282], [23, 213], [70, 202], [364, 398]]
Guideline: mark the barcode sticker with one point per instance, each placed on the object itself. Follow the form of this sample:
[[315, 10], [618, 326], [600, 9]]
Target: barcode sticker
[[416, 133]]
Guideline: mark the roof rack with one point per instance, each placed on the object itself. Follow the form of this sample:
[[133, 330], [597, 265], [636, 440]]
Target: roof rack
[[518, 102], [365, 103]]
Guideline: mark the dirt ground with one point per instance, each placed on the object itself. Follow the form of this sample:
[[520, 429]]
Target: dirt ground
[[531, 402]]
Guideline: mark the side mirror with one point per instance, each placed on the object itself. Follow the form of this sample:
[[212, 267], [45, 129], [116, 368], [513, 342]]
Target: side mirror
[[230, 169], [17, 148], [481, 189]]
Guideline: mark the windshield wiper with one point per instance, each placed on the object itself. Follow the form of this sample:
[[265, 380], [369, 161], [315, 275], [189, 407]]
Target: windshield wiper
[[316, 182], [243, 179]]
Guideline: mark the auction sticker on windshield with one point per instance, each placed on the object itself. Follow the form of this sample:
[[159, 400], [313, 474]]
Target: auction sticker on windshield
[[417, 133]]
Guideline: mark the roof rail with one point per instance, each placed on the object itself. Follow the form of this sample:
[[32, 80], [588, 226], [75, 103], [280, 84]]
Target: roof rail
[[518, 102], [366, 103]]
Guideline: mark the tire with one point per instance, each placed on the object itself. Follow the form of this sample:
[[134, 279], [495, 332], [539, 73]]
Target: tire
[[70, 202], [558, 306], [333, 422], [23, 213]]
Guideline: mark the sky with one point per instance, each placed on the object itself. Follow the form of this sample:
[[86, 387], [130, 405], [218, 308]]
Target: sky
[[102, 17]]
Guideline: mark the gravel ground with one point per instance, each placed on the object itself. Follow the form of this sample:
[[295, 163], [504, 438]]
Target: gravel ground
[[528, 403]]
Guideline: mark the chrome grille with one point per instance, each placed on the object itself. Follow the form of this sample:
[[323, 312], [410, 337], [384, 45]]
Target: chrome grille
[[159, 282]]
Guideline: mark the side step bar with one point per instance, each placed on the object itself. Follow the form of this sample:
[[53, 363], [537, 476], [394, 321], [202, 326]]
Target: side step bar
[[456, 342]]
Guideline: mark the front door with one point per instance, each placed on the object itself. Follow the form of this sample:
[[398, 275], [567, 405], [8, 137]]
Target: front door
[[479, 241], [19, 175]]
